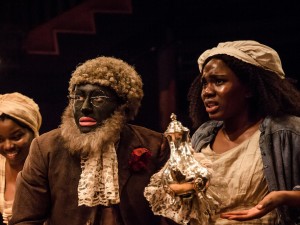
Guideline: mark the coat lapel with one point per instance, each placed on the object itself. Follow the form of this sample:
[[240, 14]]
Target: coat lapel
[[128, 142]]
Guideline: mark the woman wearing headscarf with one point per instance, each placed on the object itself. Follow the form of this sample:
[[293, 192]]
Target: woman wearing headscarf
[[247, 115], [20, 121]]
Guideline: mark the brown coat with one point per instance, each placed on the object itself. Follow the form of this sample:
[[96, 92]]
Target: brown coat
[[47, 186]]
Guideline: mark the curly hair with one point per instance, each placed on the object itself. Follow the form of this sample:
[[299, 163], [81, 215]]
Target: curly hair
[[115, 74], [274, 96]]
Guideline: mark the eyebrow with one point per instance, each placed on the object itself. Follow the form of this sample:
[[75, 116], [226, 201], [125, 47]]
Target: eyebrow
[[98, 90], [213, 76], [93, 91]]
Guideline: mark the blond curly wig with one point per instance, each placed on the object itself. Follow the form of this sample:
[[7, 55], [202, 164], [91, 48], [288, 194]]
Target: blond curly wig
[[113, 73]]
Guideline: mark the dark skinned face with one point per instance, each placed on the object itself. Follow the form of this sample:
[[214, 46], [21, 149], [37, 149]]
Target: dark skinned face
[[223, 95], [93, 104], [14, 141]]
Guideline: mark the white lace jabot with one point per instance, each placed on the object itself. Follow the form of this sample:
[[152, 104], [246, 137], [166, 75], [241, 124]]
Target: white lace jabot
[[98, 184]]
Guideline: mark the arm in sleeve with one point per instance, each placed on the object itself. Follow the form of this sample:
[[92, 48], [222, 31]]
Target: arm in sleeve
[[32, 198], [164, 153]]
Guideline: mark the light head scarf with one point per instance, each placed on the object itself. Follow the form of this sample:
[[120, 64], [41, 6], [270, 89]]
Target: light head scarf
[[248, 51], [21, 108]]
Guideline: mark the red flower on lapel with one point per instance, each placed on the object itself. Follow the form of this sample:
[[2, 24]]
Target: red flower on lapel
[[139, 159]]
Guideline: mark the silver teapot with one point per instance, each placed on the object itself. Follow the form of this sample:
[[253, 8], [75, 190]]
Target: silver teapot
[[182, 166]]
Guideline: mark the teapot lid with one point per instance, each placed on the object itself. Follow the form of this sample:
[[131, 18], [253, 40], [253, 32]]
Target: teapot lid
[[175, 126]]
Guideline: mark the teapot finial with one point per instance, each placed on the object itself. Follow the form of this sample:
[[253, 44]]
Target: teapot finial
[[175, 126]]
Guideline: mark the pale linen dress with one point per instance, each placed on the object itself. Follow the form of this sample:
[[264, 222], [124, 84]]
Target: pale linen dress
[[242, 168], [5, 206]]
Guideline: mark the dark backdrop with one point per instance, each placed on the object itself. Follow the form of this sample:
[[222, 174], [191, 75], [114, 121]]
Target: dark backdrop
[[162, 39]]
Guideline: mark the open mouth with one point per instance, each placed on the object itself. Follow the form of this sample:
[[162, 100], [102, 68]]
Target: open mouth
[[87, 121], [211, 106]]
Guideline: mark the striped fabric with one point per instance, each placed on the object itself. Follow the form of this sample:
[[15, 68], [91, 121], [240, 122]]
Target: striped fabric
[[2, 182]]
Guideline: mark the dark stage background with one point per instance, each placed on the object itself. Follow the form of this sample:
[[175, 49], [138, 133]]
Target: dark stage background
[[41, 42]]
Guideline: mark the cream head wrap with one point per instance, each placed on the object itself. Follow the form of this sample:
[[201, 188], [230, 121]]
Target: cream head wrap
[[113, 73], [248, 51], [21, 108]]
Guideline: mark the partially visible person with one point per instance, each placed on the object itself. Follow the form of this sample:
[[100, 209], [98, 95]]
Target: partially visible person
[[247, 115], [20, 121], [94, 168]]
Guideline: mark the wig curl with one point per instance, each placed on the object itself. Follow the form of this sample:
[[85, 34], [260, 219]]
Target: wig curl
[[115, 74]]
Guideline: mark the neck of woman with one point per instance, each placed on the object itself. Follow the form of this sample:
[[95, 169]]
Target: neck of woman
[[240, 130], [12, 169]]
